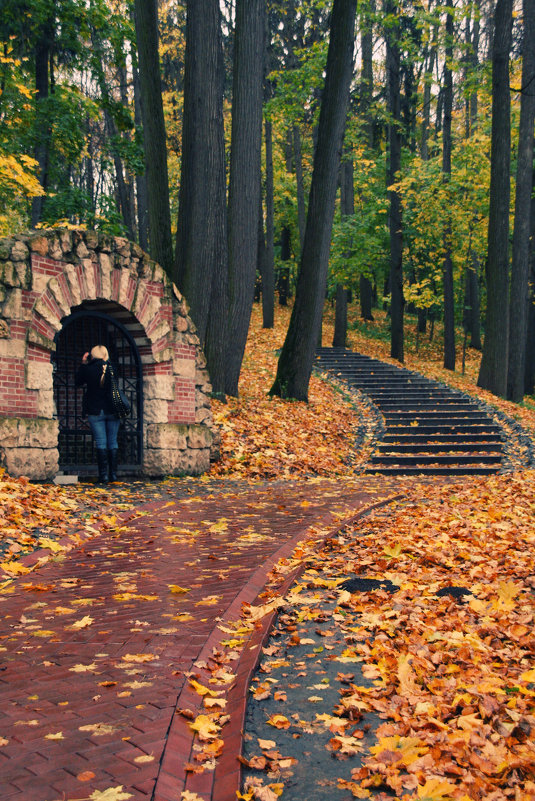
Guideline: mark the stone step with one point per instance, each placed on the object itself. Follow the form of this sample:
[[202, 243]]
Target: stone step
[[443, 428], [422, 439], [420, 458], [439, 447], [465, 470]]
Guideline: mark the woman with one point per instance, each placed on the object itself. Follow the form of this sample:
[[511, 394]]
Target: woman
[[98, 408]]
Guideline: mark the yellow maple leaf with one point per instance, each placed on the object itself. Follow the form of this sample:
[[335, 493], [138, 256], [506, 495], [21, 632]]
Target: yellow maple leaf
[[52, 545], [435, 789], [176, 589], [205, 726], [139, 657], [200, 689], [82, 623], [13, 568], [57, 736], [279, 721], [111, 794]]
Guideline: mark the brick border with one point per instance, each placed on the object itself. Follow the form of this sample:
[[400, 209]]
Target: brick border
[[223, 783]]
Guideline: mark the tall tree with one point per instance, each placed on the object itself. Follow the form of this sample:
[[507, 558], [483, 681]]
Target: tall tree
[[43, 59], [268, 264], [447, 269], [518, 316], [297, 355], [244, 178], [161, 245], [394, 166], [201, 229], [493, 368]]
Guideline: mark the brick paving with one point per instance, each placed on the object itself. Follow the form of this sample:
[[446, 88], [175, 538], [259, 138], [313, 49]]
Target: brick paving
[[96, 646]]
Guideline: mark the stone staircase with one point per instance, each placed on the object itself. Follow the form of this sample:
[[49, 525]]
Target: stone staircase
[[430, 429]]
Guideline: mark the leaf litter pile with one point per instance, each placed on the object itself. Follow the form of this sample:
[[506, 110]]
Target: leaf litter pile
[[420, 685]]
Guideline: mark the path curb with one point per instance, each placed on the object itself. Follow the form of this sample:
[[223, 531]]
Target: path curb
[[224, 782]]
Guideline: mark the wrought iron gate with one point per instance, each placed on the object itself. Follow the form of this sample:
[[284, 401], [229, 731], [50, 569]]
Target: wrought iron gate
[[80, 332]]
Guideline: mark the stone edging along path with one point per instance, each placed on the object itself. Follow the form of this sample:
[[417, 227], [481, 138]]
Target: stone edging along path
[[223, 783], [96, 647]]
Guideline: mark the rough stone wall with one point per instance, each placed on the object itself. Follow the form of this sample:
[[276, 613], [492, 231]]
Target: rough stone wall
[[44, 275]]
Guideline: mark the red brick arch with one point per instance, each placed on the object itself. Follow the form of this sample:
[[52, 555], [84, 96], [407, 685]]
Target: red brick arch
[[47, 275]]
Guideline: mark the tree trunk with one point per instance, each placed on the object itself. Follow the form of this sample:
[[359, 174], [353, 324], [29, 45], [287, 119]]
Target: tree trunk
[[524, 185], [366, 78], [283, 283], [244, 177], [394, 165], [340, 318], [298, 163], [268, 274], [42, 126], [141, 179], [447, 269], [366, 298], [161, 245], [428, 80], [493, 369], [529, 371], [472, 305], [201, 242], [297, 356]]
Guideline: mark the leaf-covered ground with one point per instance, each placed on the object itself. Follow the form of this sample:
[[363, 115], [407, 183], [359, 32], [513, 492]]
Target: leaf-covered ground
[[417, 681]]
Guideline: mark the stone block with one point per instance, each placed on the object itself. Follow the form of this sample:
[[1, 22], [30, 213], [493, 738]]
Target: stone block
[[89, 278], [50, 316], [19, 251], [185, 368], [169, 436], [55, 251], [57, 293], [4, 329], [199, 437], [9, 432], [203, 415], [12, 348], [91, 239], [41, 341], [45, 403], [39, 244], [105, 274], [159, 462], [13, 306], [193, 462], [159, 387], [74, 286], [81, 250], [156, 411], [35, 463], [65, 241], [38, 375], [40, 282]]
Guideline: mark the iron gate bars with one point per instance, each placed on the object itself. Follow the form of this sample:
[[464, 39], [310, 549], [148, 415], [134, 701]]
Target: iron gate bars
[[81, 331]]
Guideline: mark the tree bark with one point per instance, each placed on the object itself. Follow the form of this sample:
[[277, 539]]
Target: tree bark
[[161, 245], [201, 242], [141, 179], [244, 177], [447, 269], [297, 356], [298, 164], [340, 318], [493, 369], [42, 126], [518, 312], [394, 165], [268, 273]]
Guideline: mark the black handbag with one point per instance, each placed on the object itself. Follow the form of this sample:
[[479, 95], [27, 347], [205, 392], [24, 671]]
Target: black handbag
[[121, 404]]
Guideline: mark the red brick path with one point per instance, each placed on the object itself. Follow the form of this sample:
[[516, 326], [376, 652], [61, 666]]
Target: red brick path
[[94, 647]]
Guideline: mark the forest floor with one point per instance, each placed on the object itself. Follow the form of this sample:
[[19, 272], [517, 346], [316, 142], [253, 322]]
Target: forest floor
[[416, 693]]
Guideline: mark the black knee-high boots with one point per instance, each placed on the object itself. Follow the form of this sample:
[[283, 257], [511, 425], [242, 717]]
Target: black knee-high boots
[[112, 464], [102, 462]]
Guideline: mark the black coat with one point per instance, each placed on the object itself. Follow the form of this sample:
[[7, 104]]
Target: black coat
[[96, 398]]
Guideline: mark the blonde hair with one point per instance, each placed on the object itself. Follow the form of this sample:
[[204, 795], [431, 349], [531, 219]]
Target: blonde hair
[[100, 352]]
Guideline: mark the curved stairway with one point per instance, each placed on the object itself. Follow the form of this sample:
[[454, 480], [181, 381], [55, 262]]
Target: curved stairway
[[429, 428]]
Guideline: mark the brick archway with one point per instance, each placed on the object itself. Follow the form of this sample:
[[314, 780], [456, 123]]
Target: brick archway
[[46, 275]]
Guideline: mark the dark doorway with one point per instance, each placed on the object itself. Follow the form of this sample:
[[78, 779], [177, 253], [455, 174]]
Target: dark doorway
[[81, 331]]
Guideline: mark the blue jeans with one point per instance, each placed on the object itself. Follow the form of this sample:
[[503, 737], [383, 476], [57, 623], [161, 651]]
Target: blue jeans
[[104, 428]]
